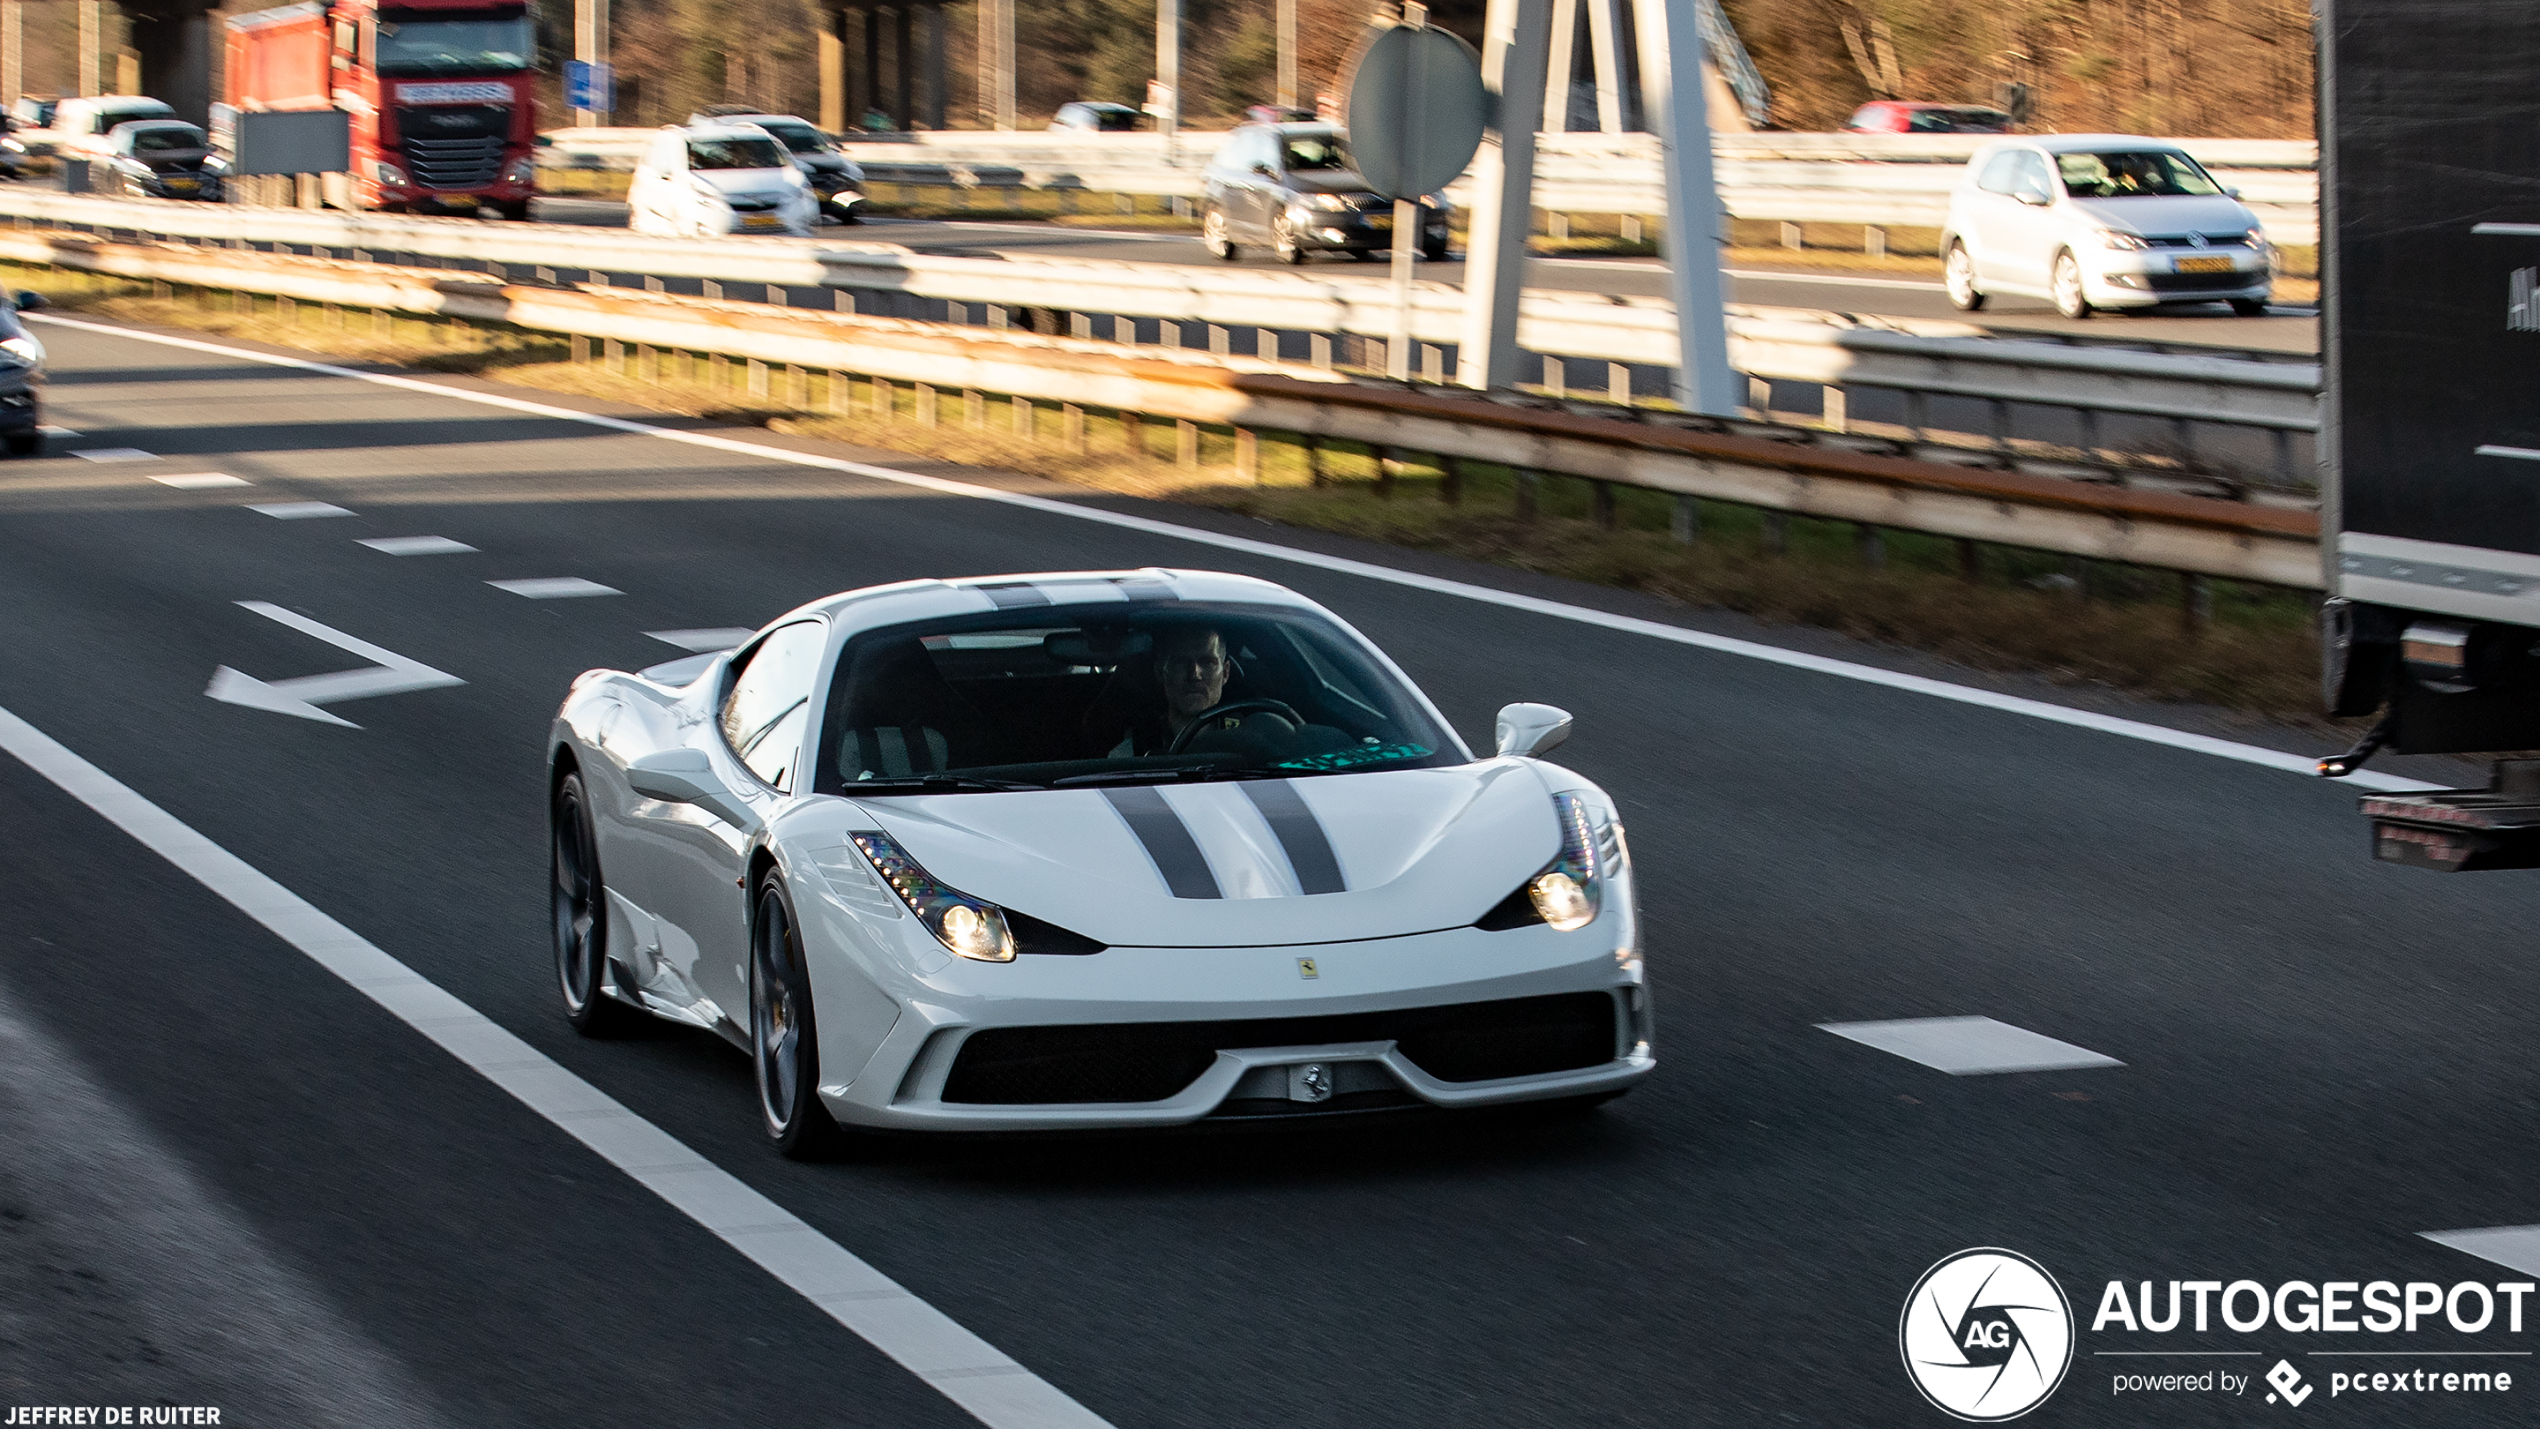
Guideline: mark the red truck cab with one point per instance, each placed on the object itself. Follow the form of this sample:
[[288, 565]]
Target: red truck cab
[[441, 93]]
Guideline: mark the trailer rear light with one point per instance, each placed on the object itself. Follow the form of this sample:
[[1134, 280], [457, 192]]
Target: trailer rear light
[[2437, 655]]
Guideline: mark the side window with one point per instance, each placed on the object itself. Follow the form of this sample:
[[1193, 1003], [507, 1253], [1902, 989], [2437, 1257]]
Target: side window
[[2032, 177], [1998, 172], [770, 701]]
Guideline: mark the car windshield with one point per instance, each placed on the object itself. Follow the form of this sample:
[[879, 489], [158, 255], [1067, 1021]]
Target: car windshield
[[429, 47], [1313, 152], [175, 138], [2149, 173], [801, 138], [734, 154], [1068, 699]]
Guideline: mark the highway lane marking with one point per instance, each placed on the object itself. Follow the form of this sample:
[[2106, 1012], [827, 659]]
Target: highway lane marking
[[57, 431], [390, 674], [1970, 1046], [2516, 1247], [928, 1343], [1840, 280], [555, 588], [2162, 735], [197, 480], [704, 642], [298, 510], [115, 454], [416, 545]]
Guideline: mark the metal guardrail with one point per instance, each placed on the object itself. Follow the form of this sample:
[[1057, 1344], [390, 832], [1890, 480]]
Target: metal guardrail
[[1900, 181], [1085, 296], [1746, 464]]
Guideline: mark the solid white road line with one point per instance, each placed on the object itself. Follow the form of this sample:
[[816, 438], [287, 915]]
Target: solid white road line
[[1838, 280], [2517, 1247], [1558, 610], [115, 454], [954, 1362], [392, 674], [1969, 1046], [556, 588], [198, 480], [722, 637], [417, 545], [299, 510]]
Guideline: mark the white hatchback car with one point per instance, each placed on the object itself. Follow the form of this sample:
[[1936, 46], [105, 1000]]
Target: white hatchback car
[[2091, 221], [703, 180]]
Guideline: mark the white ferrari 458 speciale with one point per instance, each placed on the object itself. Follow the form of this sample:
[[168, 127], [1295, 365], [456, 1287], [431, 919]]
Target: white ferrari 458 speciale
[[1092, 849]]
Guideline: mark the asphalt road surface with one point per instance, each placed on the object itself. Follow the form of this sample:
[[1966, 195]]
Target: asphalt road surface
[[2288, 328], [233, 1180]]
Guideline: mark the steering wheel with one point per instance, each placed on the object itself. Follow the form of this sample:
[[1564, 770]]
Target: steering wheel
[[1205, 718]]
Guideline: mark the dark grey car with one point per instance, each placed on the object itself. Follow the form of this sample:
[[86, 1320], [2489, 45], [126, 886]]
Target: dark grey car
[[1292, 187], [162, 158]]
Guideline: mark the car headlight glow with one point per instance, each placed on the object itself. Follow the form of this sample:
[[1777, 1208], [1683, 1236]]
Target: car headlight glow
[[968, 926], [2110, 238], [1329, 203], [2257, 238], [1562, 902], [24, 351], [523, 170]]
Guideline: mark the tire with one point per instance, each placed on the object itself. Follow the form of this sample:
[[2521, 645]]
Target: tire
[[784, 1038], [26, 444], [1958, 275], [580, 922], [1433, 252], [2249, 307], [1283, 244], [516, 210], [1214, 237], [2066, 286], [1370, 255]]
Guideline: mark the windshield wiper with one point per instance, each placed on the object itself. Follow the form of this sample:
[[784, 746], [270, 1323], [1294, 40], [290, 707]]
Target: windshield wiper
[[1185, 774], [937, 784]]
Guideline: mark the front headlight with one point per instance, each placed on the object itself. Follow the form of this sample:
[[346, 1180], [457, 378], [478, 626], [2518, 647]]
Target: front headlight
[[970, 927], [2110, 238], [1567, 894], [1329, 203], [523, 170], [389, 174], [2257, 239], [24, 351]]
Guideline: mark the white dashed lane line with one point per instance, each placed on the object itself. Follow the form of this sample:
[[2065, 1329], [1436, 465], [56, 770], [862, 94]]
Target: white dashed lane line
[[115, 454], [555, 588], [704, 641], [199, 480], [299, 510], [2515, 1247], [417, 546], [924, 1340], [1970, 1046]]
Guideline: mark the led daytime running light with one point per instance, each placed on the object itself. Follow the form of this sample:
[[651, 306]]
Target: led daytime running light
[[966, 925]]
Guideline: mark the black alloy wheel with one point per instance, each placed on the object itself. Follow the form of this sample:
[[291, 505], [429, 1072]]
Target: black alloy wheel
[[580, 921], [784, 1042]]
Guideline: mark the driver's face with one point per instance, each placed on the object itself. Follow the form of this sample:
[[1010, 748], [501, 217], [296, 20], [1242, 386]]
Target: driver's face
[[1192, 672]]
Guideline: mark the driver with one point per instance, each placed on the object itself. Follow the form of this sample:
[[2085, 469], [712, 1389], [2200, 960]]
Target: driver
[[1189, 670]]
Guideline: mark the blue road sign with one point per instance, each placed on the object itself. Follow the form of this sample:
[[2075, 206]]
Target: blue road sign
[[589, 86]]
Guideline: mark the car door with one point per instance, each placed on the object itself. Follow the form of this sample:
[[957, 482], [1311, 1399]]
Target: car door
[[754, 743], [2031, 225], [1257, 163], [650, 193]]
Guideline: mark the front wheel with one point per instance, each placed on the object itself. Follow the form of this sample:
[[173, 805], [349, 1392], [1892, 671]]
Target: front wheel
[[2067, 287], [516, 210], [1433, 252], [2249, 307], [580, 917], [1283, 241], [1958, 275], [26, 444], [1214, 236], [784, 1043]]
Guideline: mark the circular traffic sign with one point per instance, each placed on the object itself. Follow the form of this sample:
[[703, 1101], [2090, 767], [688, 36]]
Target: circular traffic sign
[[1416, 110]]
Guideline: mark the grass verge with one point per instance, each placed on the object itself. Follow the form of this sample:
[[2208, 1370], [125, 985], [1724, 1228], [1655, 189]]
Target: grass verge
[[2075, 622]]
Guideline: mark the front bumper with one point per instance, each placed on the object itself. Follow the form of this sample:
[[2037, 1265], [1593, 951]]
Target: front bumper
[[1391, 1023], [1355, 231], [2135, 279]]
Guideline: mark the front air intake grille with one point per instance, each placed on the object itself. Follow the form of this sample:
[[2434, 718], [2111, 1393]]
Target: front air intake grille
[[2200, 282], [454, 146], [1149, 1061]]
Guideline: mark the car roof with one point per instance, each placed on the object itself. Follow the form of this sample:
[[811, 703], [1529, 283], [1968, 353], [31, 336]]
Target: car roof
[[725, 129], [760, 119], [2078, 143]]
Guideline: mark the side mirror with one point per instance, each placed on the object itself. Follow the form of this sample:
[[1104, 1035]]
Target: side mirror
[[1532, 731], [686, 776], [1265, 171], [2032, 198], [31, 301], [2231, 193]]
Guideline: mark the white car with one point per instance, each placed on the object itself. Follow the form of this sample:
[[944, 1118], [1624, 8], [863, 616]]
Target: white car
[[2091, 221], [705, 180], [1090, 849]]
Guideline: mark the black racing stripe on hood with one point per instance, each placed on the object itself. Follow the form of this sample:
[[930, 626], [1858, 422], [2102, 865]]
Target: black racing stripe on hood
[[1167, 841], [1300, 834]]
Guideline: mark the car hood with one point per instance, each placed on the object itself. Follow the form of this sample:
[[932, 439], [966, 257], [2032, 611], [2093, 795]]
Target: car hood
[[1339, 181], [743, 183], [2156, 214], [1413, 851]]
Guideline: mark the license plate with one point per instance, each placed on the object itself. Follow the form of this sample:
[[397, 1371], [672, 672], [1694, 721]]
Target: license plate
[[2204, 265], [181, 184], [761, 220]]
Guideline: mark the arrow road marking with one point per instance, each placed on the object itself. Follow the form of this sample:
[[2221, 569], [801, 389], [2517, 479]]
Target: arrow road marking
[[393, 674]]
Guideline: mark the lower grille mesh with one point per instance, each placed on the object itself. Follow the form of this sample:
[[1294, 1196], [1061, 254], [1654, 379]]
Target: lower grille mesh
[[1149, 1061]]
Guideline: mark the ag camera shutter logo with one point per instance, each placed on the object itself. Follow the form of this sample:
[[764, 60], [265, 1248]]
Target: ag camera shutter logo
[[1986, 1335]]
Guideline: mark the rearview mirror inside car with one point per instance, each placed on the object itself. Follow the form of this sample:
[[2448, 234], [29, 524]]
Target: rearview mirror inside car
[[686, 776], [1532, 731]]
